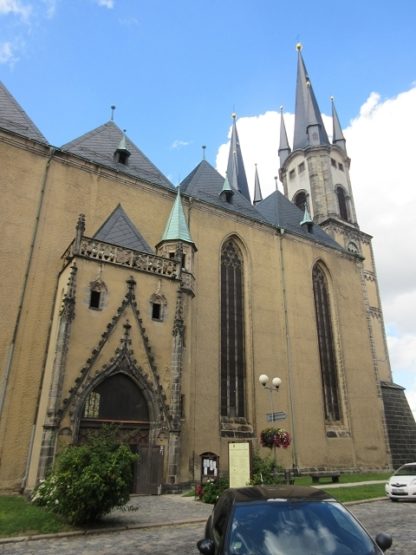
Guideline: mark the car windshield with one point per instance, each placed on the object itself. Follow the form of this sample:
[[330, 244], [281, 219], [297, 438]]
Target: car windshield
[[277, 527], [408, 470]]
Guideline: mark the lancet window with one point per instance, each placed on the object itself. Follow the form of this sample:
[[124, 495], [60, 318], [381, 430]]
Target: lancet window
[[327, 352], [342, 203], [232, 331]]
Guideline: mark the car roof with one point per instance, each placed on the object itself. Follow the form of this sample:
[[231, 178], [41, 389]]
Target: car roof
[[283, 492]]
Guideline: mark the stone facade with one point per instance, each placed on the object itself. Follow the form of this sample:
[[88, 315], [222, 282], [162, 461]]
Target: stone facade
[[114, 311]]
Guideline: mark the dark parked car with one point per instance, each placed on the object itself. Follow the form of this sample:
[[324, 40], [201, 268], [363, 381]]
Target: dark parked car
[[285, 520]]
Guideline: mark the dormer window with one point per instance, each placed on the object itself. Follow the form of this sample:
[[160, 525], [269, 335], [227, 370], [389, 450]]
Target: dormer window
[[122, 156], [122, 153]]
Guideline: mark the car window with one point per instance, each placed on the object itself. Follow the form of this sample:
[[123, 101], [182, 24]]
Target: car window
[[294, 528], [409, 470], [221, 513]]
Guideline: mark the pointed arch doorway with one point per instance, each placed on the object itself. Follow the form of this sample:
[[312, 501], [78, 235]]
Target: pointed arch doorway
[[119, 401]]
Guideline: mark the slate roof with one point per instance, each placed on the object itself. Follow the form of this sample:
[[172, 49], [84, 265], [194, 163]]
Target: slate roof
[[281, 212], [14, 118], [119, 230], [99, 146], [205, 183]]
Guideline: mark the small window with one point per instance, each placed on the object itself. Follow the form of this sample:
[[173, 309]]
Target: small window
[[334, 163], [171, 255], [292, 174], [340, 166], [301, 167], [352, 247], [156, 311], [95, 298], [300, 200], [158, 305]]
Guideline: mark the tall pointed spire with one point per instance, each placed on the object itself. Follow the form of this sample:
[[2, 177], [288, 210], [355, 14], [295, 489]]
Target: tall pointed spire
[[284, 148], [257, 189], [309, 126], [235, 168], [176, 228], [337, 134]]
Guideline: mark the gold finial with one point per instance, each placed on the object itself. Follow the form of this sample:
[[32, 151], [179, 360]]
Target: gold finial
[[299, 46]]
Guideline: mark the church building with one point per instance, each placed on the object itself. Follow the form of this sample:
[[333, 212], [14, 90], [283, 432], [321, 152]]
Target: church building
[[128, 301]]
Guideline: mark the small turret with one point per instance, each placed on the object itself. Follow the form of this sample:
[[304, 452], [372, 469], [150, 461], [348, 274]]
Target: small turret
[[337, 134], [258, 197], [177, 236], [284, 148]]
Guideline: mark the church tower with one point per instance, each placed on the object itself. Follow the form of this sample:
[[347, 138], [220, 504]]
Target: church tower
[[316, 172], [315, 175]]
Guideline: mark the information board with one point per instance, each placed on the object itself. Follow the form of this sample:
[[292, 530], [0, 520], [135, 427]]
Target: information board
[[239, 464]]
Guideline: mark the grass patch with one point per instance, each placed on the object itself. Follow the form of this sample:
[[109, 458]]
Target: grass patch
[[345, 478], [18, 517], [358, 493]]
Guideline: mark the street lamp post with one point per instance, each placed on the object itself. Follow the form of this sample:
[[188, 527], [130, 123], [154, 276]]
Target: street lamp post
[[276, 382], [264, 380]]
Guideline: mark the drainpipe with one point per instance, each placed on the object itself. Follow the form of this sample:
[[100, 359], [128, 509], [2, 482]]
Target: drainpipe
[[289, 353]]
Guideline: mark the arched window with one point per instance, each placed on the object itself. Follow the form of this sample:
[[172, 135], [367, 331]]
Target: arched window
[[342, 203], [158, 305], [116, 398], [300, 200], [98, 290], [328, 360], [232, 331]]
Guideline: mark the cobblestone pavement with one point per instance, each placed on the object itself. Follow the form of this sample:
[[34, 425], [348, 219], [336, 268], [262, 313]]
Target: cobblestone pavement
[[167, 524]]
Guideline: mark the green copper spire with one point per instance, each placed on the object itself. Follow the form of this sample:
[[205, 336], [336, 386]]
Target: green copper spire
[[307, 220], [176, 228]]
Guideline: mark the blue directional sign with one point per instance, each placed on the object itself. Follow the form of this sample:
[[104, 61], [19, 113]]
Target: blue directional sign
[[274, 416]]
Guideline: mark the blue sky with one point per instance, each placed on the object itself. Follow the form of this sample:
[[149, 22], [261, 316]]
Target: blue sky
[[177, 69]]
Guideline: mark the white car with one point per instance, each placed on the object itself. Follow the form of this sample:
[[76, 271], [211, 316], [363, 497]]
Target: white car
[[402, 485]]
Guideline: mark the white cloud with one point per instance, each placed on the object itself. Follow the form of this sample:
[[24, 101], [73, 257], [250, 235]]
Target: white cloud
[[7, 53], [20, 20], [380, 142], [106, 3], [178, 144], [15, 7]]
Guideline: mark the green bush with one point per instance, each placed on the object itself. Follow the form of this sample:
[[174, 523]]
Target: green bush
[[88, 480], [210, 491], [266, 471]]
